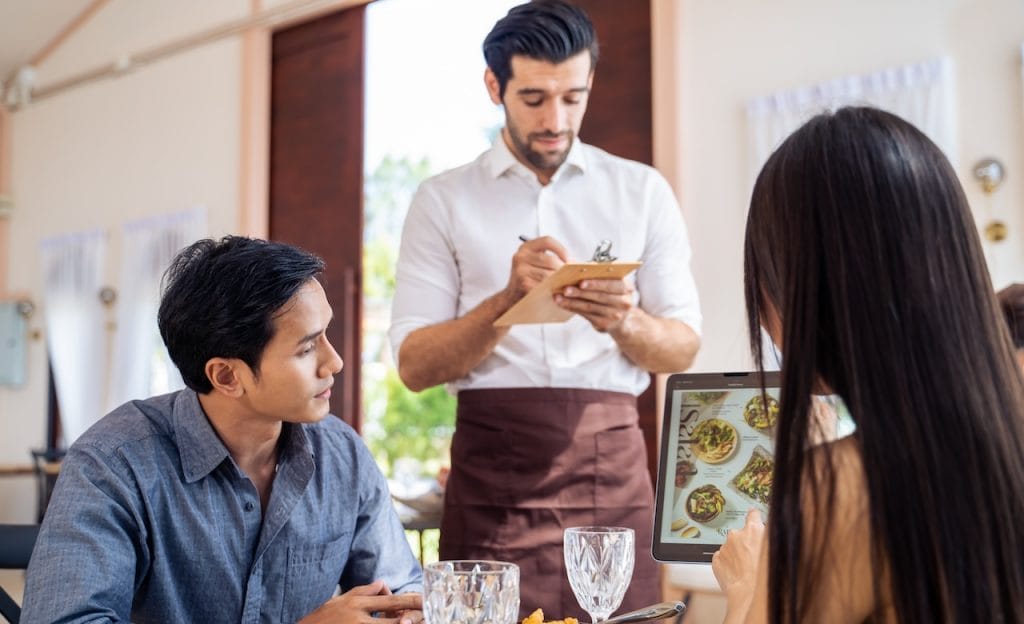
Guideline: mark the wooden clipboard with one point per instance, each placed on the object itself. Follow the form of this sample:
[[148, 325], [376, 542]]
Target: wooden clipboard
[[538, 305]]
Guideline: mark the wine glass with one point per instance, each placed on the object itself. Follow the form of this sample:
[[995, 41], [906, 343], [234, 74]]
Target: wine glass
[[471, 592], [599, 563]]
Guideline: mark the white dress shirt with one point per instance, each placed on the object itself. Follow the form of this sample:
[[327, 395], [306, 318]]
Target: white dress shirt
[[462, 230]]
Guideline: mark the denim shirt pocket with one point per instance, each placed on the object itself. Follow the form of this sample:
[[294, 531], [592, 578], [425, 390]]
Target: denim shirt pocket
[[314, 571]]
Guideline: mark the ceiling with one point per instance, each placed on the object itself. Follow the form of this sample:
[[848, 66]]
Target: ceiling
[[27, 26]]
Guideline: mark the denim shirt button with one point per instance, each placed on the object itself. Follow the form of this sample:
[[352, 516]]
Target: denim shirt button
[[249, 506]]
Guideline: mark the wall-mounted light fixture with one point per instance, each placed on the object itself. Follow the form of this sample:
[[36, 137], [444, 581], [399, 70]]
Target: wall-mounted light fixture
[[108, 296], [25, 308], [990, 173]]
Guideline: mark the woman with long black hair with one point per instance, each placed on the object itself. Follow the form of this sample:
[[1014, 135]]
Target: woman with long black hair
[[863, 264]]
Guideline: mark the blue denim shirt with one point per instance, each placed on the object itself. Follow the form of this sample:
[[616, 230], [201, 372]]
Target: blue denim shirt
[[152, 521]]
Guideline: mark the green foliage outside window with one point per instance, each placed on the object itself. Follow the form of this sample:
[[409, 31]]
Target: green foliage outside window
[[413, 425], [398, 423]]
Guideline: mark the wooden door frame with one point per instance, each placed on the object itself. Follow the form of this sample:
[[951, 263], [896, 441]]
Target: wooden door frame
[[316, 170]]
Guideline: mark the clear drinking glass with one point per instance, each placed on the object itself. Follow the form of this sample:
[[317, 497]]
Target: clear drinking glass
[[471, 592], [599, 563]]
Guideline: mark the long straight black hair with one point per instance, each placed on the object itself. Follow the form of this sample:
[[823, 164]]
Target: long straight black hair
[[860, 238]]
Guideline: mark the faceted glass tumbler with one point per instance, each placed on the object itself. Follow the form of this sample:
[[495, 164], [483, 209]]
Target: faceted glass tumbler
[[471, 592], [599, 563]]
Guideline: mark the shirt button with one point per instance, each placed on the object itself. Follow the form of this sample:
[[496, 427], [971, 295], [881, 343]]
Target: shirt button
[[249, 506]]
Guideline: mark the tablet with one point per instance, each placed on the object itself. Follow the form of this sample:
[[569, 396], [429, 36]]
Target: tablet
[[716, 460]]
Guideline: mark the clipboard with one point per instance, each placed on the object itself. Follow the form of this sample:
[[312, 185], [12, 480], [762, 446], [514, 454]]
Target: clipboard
[[538, 305]]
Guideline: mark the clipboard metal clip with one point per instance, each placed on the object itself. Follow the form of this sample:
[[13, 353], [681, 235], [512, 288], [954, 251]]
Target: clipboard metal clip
[[603, 253]]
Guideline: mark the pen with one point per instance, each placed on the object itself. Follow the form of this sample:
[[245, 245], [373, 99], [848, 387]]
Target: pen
[[523, 238]]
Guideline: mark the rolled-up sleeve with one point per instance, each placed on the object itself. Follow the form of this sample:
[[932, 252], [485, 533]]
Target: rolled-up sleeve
[[426, 275], [665, 282]]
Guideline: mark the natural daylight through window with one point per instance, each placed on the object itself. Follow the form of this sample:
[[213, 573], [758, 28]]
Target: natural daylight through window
[[426, 111]]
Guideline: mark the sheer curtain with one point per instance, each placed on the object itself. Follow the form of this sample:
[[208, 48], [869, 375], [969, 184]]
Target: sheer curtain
[[141, 366], [921, 93], [75, 328]]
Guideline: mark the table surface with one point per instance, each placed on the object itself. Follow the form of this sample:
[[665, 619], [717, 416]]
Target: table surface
[[17, 470]]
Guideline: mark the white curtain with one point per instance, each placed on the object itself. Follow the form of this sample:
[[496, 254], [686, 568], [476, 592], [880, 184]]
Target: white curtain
[[921, 93], [141, 367], [75, 329]]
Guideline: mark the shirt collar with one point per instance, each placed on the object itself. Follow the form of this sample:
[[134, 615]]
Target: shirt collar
[[199, 445], [201, 449], [501, 160]]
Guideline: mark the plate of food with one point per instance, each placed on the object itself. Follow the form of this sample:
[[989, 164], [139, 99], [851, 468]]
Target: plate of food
[[755, 480], [714, 440], [758, 415], [705, 503]]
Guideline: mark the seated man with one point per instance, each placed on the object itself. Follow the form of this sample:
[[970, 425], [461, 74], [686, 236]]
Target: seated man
[[234, 500]]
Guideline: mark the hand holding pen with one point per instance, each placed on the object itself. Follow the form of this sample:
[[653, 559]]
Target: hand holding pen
[[532, 262]]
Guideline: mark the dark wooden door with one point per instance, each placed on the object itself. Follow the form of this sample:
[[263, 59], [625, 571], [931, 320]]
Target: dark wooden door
[[619, 120], [316, 170]]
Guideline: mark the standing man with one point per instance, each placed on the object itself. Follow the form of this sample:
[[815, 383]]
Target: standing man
[[237, 499], [546, 434]]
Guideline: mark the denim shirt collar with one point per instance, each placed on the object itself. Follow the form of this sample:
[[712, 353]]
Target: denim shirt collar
[[199, 445], [201, 448]]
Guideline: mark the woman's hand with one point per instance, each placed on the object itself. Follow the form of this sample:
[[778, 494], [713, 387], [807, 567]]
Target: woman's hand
[[735, 564]]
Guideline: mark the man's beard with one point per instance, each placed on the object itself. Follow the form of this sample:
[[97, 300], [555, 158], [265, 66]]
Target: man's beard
[[542, 161]]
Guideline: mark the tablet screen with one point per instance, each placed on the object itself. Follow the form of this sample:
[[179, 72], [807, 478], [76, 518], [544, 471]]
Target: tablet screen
[[716, 460]]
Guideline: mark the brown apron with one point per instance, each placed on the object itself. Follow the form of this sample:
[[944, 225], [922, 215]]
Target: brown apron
[[528, 463]]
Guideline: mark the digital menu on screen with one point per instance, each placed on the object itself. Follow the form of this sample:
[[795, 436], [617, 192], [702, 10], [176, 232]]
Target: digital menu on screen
[[719, 461]]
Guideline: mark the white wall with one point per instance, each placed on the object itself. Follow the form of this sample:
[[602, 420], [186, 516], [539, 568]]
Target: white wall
[[158, 140], [732, 50]]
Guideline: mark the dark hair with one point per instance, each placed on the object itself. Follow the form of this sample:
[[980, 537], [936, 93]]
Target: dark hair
[[1011, 301], [220, 299], [860, 237], [547, 30]]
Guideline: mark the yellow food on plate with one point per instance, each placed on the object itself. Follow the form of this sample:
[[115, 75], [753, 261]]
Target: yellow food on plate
[[705, 503], [537, 617], [679, 523], [758, 415], [714, 441]]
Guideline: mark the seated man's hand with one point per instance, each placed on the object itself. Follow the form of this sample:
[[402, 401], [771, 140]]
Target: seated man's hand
[[359, 604]]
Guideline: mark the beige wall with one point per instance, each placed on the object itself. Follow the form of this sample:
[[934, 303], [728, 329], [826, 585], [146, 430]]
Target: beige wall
[[729, 51], [158, 140]]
